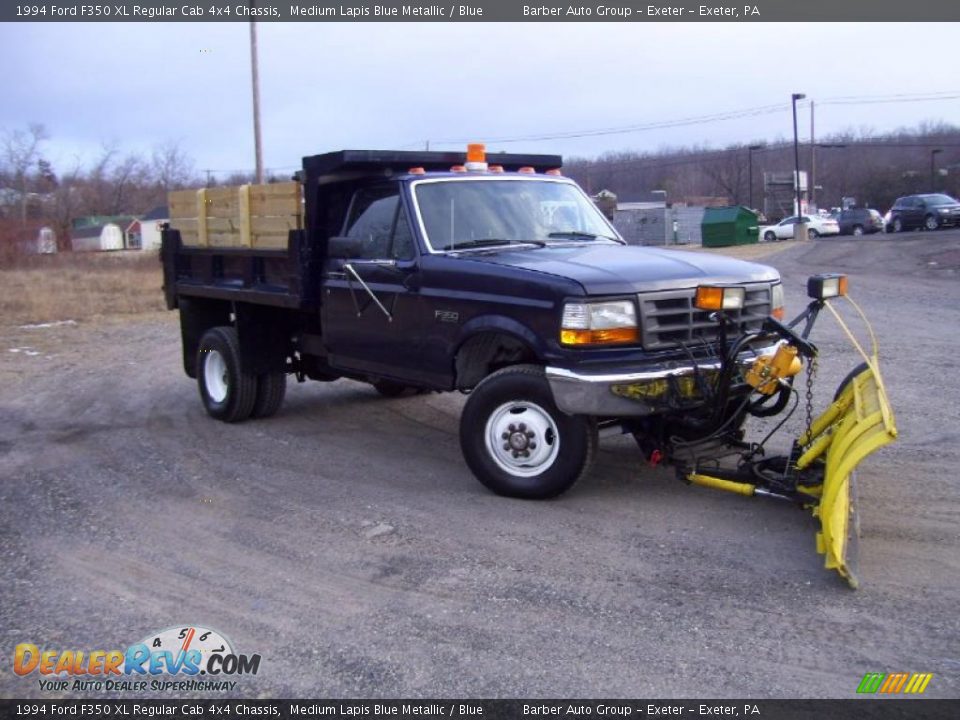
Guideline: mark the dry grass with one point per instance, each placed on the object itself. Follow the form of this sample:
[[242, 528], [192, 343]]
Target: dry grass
[[74, 286]]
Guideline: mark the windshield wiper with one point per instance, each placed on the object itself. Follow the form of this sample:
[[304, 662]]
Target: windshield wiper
[[578, 234], [489, 242]]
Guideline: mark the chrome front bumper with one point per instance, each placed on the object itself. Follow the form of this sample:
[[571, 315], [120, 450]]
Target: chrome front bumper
[[592, 394]]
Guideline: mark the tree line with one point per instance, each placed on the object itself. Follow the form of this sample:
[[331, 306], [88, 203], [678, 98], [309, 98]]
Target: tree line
[[873, 169]]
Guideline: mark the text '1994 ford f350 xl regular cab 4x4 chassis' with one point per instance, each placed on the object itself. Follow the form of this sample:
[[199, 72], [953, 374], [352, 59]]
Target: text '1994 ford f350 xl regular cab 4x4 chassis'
[[500, 278]]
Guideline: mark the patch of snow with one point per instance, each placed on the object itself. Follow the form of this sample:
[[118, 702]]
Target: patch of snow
[[57, 323]]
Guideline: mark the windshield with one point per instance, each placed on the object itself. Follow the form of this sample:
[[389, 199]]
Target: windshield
[[939, 200], [477, 212]]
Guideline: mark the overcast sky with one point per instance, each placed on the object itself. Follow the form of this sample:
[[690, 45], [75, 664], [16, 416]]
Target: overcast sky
[[328, 86]]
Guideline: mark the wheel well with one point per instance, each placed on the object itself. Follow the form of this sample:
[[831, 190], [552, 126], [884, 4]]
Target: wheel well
[[486, 353]]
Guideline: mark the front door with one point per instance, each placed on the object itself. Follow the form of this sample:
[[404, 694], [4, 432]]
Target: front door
[[369, 301]]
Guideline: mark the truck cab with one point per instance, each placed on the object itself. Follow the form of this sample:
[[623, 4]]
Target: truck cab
[[492, 275]]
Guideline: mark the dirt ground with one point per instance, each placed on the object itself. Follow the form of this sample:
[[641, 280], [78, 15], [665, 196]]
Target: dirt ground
[[347, 543]]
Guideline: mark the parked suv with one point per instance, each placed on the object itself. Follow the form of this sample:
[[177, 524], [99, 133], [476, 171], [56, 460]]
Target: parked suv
[[859, 221], [923, 211]]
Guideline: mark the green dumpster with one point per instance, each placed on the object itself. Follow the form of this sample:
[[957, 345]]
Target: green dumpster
[[724, 226]]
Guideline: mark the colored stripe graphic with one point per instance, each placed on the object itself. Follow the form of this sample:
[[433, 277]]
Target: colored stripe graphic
[[918, 683], [871, 682], [893, 683]]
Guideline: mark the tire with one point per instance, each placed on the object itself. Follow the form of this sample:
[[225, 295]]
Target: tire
[[226, 391], [770, 236], [389, 388], [544, 452], [858, 230], [812, 234], [897, 225], [931, 222], [271, 389], [849, 379]]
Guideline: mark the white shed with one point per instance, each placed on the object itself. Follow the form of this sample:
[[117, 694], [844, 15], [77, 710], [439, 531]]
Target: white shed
[[108, 236], [150, 227]]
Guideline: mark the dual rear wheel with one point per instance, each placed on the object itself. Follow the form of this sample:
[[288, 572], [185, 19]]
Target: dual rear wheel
[[228, 392]]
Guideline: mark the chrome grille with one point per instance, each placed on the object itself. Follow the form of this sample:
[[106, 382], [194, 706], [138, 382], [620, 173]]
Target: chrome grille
[[668, 318]]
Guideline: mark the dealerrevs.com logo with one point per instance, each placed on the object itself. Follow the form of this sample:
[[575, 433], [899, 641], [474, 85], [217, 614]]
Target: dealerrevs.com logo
[[179, 659]]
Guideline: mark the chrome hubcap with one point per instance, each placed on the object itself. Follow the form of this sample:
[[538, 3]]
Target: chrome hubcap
[[522, 438], [215, 376]]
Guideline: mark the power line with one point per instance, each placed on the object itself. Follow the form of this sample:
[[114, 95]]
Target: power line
[[718, 117]]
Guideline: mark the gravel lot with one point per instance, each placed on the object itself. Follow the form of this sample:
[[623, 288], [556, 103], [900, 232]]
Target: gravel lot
[[346, 542]]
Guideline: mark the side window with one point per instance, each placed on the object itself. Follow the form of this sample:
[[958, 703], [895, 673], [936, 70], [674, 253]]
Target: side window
[[371, 220], [378, 219]]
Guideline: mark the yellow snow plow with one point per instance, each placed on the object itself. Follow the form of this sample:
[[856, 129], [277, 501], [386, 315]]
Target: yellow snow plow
[[819, 473]]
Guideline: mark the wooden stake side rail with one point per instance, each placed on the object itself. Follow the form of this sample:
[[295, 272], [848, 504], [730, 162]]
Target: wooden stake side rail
[[245, 216]]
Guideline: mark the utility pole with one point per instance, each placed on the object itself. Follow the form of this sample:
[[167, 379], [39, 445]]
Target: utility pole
[[750, 170], [255, 76], [800, 229]]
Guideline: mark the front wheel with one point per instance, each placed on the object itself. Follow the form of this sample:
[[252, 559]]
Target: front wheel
[[897, 225], [813, 234], [770, 236], [517, 442], [857, 230], [930, 222]]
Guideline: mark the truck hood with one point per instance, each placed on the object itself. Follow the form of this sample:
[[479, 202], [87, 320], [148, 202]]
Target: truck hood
[[604, 269]]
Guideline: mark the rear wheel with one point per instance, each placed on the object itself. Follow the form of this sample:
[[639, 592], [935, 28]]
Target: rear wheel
[[517, 442], [931, 222], [271, 389], [226, 391], [858, 230], [812, 234]]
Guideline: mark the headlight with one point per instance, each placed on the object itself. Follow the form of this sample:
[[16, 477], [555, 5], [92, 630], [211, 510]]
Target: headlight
[[599, 323], [776, 302]]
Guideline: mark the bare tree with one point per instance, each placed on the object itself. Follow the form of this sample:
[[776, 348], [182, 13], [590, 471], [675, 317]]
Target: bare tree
[[172, 169], [21, 152]]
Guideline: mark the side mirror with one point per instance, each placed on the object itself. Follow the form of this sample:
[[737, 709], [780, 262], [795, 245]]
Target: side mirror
[[343, 247]]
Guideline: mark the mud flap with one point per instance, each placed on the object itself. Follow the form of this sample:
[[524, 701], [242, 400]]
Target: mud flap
[[858, 423]]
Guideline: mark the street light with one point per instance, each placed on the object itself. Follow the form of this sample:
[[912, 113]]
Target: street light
[[800, 227], [750, 170], [933, 166]]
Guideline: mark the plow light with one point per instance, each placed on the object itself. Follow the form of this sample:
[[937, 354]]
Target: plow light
[[602, 323], [827, 285], [716, 297]]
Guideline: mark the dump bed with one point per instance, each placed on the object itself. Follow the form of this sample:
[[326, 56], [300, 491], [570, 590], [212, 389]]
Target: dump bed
[[241, 243]]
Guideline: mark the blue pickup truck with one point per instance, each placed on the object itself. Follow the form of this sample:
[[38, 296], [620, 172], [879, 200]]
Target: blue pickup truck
[[492, 275]]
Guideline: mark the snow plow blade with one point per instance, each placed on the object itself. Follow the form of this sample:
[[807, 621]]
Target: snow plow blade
[[859, 422]]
